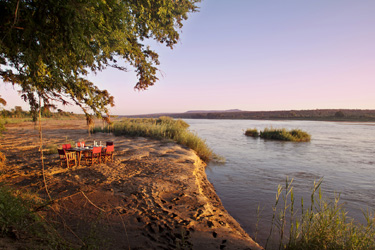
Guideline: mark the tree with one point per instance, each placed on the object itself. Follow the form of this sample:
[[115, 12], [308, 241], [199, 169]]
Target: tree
[[47, 47], [339, 114]]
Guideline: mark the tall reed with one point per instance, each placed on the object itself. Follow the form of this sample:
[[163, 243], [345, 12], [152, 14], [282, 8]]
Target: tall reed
[[323, 225], [161, 128]]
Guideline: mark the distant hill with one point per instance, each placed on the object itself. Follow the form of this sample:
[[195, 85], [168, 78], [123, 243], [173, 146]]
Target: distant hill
[[316, 115], [213, 111]]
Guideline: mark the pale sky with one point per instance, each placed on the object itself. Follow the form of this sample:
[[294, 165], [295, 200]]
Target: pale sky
[[256, 55]]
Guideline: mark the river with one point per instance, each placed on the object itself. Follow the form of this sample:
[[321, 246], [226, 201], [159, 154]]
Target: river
[[341, 153]]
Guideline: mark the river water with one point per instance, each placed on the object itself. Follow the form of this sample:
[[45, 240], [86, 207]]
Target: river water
[[341, 153]]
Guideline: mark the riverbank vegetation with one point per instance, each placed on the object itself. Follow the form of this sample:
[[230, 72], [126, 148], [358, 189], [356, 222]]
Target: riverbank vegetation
[[360, 115], [253, 132], [19, 219], [324, 224], [160, 128], [17, 114], [282, 134]]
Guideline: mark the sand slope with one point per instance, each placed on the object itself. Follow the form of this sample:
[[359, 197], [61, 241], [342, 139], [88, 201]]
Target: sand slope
[[155, 195]]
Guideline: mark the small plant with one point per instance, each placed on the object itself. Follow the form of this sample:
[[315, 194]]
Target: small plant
[[322, 225], [295, 135], [50, 149], [253, 132]]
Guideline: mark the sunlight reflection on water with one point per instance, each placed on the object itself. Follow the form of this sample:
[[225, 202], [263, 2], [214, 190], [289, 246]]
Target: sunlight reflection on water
[[341, 153]]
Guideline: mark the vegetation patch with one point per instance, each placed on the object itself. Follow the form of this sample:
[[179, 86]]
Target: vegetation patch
[[18, 220], [253, 132], [323, 224], [162, 128], [282, 134]]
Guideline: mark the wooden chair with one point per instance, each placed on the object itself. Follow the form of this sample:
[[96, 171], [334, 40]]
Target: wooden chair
[[68, 159], [107, 154], [66, 146], [94, 156], [71, 159]]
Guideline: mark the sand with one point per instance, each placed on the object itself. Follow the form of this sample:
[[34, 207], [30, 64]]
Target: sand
[[154, 195]]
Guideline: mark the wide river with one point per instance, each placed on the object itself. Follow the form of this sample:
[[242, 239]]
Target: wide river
[[341, 153]]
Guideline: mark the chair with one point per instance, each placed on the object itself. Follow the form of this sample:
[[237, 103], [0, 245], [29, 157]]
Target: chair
[[68, 159], [62, 156], [71, 159], [66, 146], [80, 144], [94, 156], [107, 154]]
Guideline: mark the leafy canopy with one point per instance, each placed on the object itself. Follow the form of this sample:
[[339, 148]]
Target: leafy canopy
[[47, 47]]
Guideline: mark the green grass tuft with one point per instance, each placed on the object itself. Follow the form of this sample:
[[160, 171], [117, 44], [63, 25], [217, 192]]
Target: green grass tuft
[[295, 135], [161, 128], [253, 132], [324, 224]]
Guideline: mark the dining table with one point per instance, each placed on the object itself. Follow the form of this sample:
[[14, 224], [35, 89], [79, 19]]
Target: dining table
[[80, 150]]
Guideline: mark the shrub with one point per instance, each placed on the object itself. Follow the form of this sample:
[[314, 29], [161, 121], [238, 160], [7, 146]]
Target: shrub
[[253, 132], [161, 128]]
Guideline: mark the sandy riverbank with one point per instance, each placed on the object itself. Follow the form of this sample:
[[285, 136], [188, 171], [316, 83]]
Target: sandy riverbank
[[155, 195]]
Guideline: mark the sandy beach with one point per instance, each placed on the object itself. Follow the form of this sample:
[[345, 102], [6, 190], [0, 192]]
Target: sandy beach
[[154, 195]]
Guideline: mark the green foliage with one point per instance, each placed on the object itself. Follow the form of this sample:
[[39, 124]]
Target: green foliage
[[17, 115], [253, 132], [322, 225], [161, 128], [51, 149], [48, 47], [15, 213], [19, 219], [295, 135]]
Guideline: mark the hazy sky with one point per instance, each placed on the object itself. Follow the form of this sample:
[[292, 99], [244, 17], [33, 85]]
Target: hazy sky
[[257, 55]]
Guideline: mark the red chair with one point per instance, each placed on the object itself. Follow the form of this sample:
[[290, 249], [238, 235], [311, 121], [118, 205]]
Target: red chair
[[68, 159], [107, 154], [62, 156], [80, 144], [66, 146], [94, 156]]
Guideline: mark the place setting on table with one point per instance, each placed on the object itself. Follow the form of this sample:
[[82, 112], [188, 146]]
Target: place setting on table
[[92, 153]]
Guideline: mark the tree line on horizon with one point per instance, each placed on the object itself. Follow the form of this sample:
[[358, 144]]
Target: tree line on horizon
[[317, 114]]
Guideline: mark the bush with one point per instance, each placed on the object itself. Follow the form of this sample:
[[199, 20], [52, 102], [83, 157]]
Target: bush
[[161, 128]]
